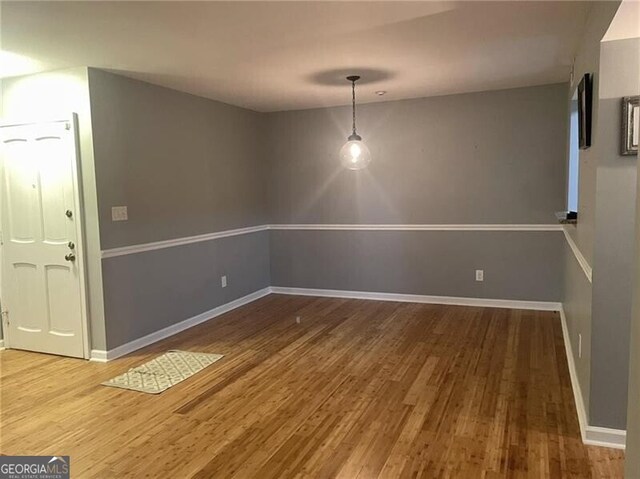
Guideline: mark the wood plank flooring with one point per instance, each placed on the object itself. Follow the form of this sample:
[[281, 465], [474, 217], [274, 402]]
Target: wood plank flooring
[[358, 389]]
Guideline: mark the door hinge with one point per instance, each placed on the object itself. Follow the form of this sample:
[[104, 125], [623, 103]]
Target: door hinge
[[5, 316]]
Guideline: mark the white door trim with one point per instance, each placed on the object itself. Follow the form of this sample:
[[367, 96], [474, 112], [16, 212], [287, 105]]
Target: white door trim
[[72, 120], [80, 247]]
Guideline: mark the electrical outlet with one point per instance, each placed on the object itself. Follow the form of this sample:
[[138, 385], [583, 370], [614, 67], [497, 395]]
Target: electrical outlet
[[119, 213], [223, 281], [579, 345], [479, 275]]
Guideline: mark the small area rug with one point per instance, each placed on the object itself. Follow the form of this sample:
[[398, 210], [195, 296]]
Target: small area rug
[[161, 373]]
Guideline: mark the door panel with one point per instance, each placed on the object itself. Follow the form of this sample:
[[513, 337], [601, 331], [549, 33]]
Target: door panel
[[60, 300], [54, 167], [22, 193], [42, 291], [25, 282]]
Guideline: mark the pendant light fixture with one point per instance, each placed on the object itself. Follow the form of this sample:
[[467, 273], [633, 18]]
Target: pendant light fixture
[[354, 155]]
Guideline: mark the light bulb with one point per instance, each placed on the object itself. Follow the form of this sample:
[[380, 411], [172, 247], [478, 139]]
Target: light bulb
[[355, 151], [355, 155]]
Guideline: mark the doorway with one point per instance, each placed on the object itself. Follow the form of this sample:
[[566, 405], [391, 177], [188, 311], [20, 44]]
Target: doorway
[[43, 281]]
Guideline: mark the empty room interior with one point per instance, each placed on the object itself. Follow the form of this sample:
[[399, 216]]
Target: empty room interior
[[320, 239]]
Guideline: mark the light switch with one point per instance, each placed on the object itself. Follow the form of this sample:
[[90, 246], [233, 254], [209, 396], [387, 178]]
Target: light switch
[[119, 213]]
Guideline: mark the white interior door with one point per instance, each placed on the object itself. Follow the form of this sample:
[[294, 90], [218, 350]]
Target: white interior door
[[42, 277]]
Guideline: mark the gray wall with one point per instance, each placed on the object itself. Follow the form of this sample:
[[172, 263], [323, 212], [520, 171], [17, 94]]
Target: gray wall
[[57, 94], [576, 302], [588, 61], [148, 291], [479, 158], [614, 240], [632, 456], [519, 265], [489, 157], [183, 166], [577, 291]]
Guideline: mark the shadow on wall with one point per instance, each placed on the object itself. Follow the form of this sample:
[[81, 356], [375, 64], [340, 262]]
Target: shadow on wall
[[337, 76]]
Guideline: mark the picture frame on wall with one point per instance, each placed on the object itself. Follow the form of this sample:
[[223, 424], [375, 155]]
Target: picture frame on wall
[[630, 125], [585, 98]]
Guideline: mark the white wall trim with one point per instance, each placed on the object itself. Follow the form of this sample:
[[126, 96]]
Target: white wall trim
[[418, 227], [582, 261], [573, 374], [419, 298], [104, 356], [98, 356], [605, 437], [140, 248], [1, 344], [591, 435]]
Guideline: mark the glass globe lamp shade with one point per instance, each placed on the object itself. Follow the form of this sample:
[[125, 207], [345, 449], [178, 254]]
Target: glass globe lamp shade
[[355, 155]]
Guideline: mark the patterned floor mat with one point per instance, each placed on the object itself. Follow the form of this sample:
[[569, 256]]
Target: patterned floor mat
[[161, 373]]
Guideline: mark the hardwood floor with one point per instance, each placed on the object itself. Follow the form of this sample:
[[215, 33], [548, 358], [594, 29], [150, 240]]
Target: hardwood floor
[[358, 389]]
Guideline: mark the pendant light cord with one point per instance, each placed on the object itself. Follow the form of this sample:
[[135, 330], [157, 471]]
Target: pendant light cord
[[353, 102]]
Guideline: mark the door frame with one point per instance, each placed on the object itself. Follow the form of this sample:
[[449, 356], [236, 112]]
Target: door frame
[[72, 121]]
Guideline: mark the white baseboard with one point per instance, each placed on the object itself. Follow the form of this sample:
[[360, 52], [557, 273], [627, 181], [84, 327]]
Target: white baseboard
[[419, 298], [573, 374], [605, 437], [98, 356], [591, 435], [104, 356]]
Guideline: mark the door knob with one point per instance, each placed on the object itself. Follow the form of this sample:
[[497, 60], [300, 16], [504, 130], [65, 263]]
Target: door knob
[[70, 257], [69, 213], [71, 245]]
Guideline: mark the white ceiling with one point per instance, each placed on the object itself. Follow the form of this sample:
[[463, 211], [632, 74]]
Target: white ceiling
[[270, 56], [626, 23]]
